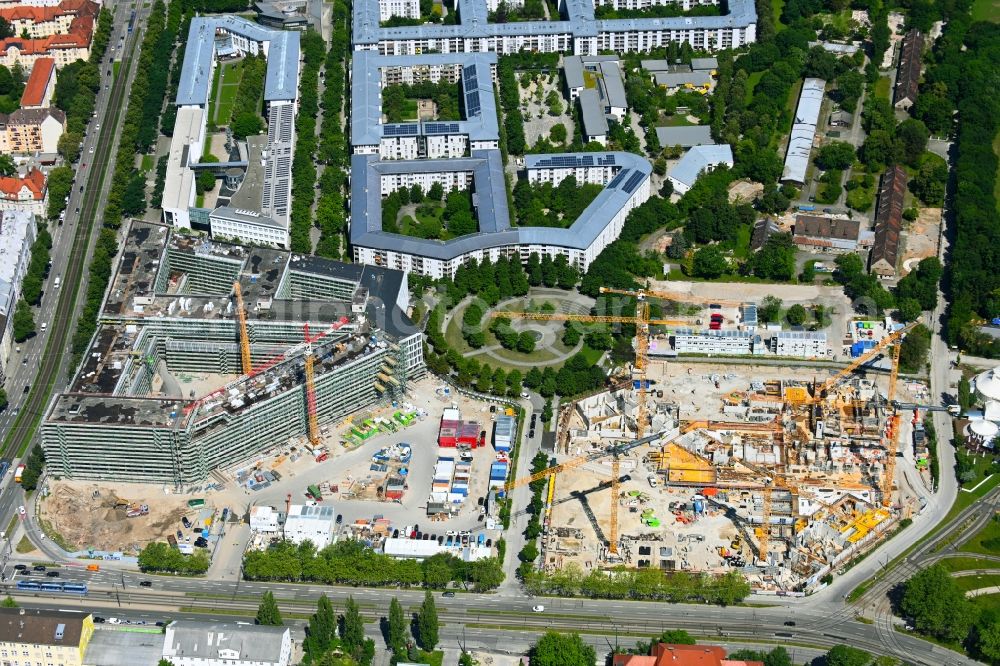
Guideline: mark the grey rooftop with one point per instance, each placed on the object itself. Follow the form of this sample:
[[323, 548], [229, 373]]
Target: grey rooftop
[[494, 217], [282, 49]]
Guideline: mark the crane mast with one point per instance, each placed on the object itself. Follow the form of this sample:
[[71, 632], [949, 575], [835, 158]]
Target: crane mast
[[241, 314]]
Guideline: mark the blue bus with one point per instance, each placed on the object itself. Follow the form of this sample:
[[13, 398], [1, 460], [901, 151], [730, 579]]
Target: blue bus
[[75, 588], [131, 22]]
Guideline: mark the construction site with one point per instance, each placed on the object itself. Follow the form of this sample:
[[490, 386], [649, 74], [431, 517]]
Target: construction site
[[209, 353], [705, 468]]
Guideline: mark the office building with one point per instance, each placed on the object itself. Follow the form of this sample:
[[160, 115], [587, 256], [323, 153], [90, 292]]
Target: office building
[[172, 308], [262, 174], [730, 343]]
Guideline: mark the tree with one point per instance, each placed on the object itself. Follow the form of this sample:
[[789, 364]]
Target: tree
[[914, 348], [845, 655], [352, 628], [8, 602], [796, 315], [321, 630], [558, 133], [24, 321], [769, 309], [465, 659], [397, 626], [937, 604], [912, 136], [427, 623], [247, 123], [965, 399], [3, 399], [436, 192], [777, 657], [526, 342], [776, 260], [554, 102], [164, 662], [835, 155], [267, 612], [554, 649], [69, 146], [908, 309], [709, 263], [7, 165]]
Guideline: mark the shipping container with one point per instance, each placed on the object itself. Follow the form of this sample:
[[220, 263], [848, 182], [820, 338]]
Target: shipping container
[[196, 503]]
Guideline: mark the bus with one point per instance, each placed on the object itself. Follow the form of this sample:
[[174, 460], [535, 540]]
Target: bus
[[131, 22]]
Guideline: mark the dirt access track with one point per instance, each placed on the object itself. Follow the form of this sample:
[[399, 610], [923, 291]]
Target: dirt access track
[[83, 513]]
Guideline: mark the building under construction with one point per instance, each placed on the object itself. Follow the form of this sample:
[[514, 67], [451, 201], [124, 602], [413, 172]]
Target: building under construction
[[786, 480], [291, 342]]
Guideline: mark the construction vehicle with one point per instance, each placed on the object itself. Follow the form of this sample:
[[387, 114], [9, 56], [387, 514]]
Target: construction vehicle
[[314, 492]]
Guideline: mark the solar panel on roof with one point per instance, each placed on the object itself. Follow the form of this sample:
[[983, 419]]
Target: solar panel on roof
[[440, 128], [619, 178], [408, 129], [633, 182]]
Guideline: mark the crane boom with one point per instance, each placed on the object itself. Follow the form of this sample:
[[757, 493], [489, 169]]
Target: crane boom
[[241, 314], [313, 422], [597, 319], [643, 294], [861, 360], [576, 462]]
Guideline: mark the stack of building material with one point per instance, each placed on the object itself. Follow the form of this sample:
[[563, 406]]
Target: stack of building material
[[395, 486], [468, 433]]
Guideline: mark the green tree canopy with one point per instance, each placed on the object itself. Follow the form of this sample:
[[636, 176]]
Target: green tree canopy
[[267, 612], [427, 623], [709, 262], [554, 649], [937, 604]]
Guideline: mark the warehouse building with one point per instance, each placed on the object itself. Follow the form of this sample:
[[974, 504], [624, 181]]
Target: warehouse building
[[171, 308], [800, 142], [829, 234], [190, 643]]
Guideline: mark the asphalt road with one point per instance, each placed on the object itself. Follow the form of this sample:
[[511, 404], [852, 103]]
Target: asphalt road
[[47, 353]]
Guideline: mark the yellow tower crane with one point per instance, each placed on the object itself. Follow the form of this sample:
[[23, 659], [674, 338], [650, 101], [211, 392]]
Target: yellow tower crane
[[313, 423], [241, 314], [892, 436]]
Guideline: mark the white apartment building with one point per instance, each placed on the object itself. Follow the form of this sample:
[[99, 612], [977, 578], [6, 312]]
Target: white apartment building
[[686, 5], [404, 8], [449, 180]]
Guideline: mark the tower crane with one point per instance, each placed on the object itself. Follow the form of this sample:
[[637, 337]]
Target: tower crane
[[241, 314], [892, 435], [615, 450]]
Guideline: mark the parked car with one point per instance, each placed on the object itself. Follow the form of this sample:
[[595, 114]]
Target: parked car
[[39, 567], [53, 574], [146, 583], [448, 594]]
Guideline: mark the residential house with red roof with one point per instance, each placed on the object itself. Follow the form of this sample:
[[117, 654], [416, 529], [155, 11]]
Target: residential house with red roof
[[28, 193], [669, 654], [41, 85]]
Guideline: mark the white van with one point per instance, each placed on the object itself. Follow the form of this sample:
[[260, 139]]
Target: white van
[[44, 325], [58, 281]]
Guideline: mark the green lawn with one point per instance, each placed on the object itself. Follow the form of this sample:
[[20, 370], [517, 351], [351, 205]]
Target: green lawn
[[968, 564], [985, 542], [752, 82], [882, 87], [966, 583], [232, 73], [778, 6], [987, 602], [115, 66], [148, 163], [222, 100], [592, 355], [986, 10], [676, 120], [211, 95]]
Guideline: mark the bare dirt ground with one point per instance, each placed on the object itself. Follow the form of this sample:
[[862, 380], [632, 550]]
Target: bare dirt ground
[[921, 238], [88, 521], [744, 191]]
